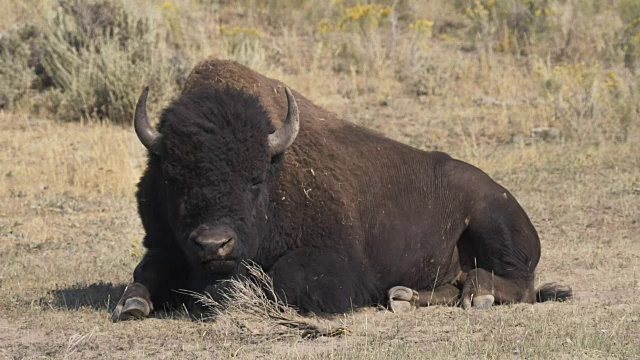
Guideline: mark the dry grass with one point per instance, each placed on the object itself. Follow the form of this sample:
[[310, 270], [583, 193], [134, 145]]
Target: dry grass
[[250, 306], [66, 253], [470, 84]]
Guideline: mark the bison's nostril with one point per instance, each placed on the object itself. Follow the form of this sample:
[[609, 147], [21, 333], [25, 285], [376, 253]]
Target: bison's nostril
[[227, 247]]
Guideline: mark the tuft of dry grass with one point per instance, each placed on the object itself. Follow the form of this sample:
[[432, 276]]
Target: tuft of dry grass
[[250, 300]]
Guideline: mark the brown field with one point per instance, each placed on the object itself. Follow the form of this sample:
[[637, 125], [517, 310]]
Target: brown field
[[473, 82]]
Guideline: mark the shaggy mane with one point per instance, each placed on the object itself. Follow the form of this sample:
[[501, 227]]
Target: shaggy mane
[[215, 120]]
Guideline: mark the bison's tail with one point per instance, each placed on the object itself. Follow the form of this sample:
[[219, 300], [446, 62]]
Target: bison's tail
[[553, 292]]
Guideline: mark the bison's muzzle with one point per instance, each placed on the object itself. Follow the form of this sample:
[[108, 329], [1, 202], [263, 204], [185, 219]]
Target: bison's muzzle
[[216, 247]]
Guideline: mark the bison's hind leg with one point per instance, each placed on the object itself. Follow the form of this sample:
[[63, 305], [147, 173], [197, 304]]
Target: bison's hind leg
[[403, 299], [482, 289], [499, 251]]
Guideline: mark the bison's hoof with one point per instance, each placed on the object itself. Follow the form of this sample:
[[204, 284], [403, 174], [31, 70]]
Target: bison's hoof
[[133, 308], [402, 299], [483, 302]]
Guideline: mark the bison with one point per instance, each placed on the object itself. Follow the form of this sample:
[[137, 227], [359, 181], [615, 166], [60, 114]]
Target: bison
[[241, 168]]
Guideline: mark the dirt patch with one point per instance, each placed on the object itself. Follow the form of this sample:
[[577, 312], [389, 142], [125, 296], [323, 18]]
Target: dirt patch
[[19, 341], [607, 297]]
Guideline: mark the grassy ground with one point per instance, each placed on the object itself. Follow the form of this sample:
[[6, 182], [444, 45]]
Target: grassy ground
[[469, 83], [69, 246]]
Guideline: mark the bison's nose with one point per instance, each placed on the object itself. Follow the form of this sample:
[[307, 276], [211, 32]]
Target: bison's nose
[[217, 243]]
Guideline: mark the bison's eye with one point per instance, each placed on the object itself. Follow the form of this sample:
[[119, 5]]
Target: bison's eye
[[257, 181], [256, 185]]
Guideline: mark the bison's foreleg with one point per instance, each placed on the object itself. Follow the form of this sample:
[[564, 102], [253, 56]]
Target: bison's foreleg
[[134, 304], [158, 272]]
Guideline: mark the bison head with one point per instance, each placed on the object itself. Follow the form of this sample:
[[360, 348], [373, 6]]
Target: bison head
[[218, 157]]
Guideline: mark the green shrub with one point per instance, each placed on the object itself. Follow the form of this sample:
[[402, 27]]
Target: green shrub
[[589, 101], [354, 35], [510, 25], [630, 42], [98, 57], [16, 69], [243, 44], [629, 10], [89, 60]]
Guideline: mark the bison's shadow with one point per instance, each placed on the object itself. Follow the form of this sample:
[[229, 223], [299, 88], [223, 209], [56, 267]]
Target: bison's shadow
[[98, 296]]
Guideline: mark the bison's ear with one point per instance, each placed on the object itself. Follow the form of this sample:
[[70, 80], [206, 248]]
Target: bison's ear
[[282, 138], [149, 137]]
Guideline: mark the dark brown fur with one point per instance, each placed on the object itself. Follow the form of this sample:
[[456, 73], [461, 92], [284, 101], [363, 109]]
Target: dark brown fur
[[349, 213]]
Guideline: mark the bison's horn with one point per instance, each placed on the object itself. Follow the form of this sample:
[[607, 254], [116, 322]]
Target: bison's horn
[[280, 140], [148, 136]]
